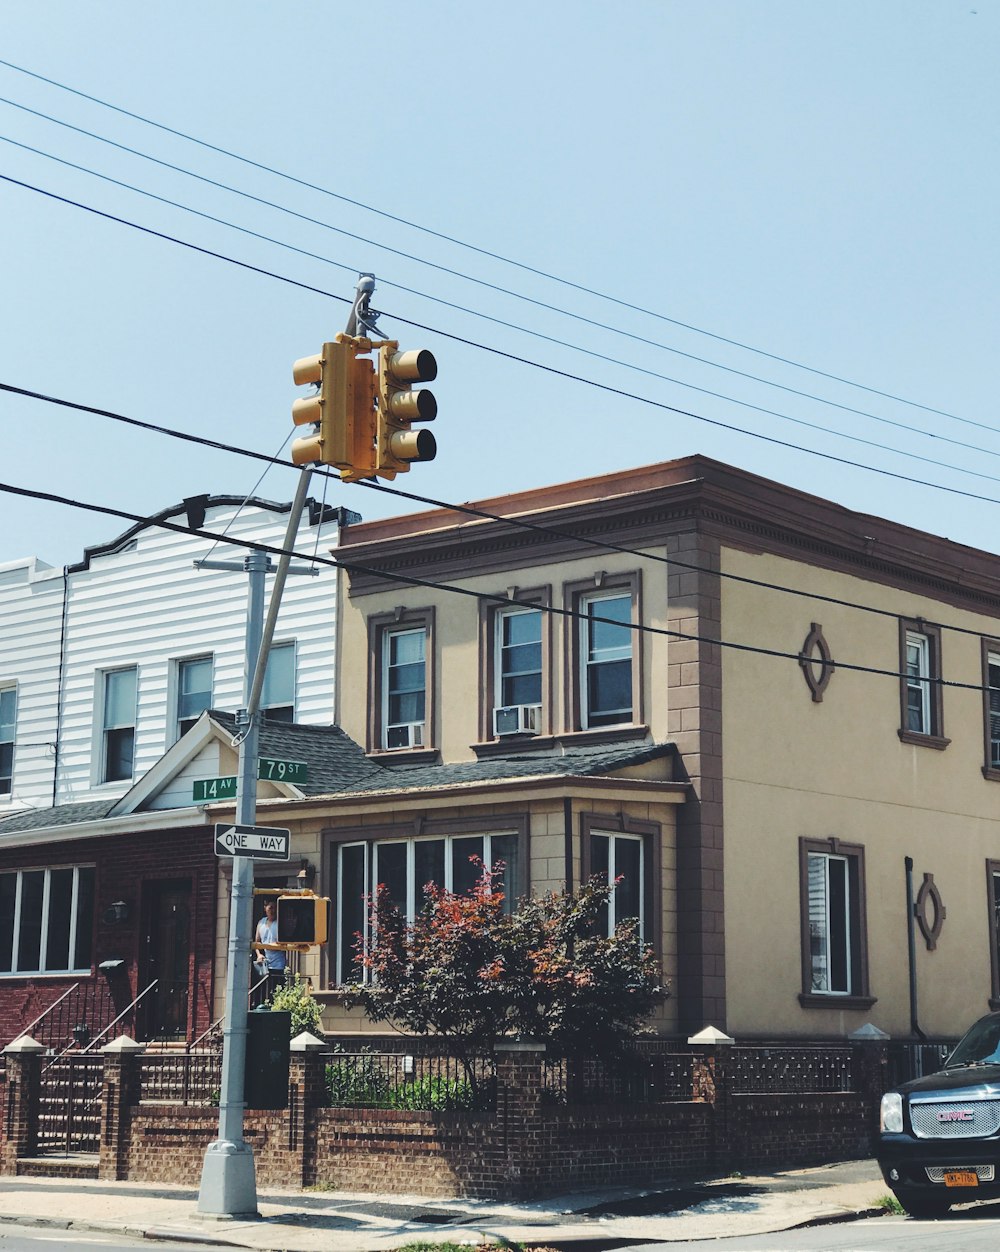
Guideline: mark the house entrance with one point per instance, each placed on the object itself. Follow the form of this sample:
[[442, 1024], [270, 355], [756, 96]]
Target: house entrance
[[166, 957]]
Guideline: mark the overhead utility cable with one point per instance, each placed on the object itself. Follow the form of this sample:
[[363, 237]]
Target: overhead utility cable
[[796, 421], [499, 598], [409, 256], [481, 251], [468, 510]]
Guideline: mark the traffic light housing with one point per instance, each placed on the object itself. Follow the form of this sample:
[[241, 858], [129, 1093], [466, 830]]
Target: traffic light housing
[[343, 408], [303, 919], [397, 445]]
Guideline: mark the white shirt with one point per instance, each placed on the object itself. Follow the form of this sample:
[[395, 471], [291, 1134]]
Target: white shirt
[[267, 932]]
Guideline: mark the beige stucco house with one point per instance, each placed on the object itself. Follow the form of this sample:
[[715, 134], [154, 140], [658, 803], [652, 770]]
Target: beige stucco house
[[762, 711]]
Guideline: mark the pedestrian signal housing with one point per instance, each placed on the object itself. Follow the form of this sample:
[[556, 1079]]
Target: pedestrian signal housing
[[303, 919]]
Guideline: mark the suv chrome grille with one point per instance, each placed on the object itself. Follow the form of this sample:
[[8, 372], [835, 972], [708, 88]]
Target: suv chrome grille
[[985, 1173], [955, 1119]]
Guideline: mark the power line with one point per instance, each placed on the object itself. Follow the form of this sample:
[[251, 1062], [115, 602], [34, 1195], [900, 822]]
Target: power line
[[551, 339], [469, 510], [485, 252], [496, 287], [510, 356], [500, 598]]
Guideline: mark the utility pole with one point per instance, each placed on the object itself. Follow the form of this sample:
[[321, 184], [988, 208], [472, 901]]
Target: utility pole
[[228, 1178]]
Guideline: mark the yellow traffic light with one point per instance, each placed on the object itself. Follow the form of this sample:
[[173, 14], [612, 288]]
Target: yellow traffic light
[[343, 409], [303, 919], [397, 446]]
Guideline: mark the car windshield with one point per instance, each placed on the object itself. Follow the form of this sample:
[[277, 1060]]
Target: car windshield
[[980, 1045]]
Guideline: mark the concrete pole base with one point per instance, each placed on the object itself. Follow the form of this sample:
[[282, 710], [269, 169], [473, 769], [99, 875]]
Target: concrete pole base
[[228, 1181]]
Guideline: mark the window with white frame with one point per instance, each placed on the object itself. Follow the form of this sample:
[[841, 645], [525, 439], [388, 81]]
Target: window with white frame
[[47, 920], [277, 697], [404, 687], [918, 685], [8, 724], [920, 693], [118, 727], [194, 691], [518, 657], [620, 859], [405, 867], [605, 659], [833, 925], [992, 708]]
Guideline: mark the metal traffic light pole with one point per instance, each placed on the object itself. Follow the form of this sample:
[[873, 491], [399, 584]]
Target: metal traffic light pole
[[228, 1179]]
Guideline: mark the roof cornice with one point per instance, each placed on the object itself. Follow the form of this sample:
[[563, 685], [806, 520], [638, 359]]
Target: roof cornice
[[641, 508]]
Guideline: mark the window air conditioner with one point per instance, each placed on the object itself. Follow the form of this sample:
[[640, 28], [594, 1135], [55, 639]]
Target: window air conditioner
[[517, 719], [408, 735]]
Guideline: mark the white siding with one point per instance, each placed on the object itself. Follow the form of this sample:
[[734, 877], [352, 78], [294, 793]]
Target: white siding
[[148, 607], [30, 622]]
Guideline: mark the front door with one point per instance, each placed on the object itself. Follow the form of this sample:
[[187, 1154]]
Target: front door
[[167, 942]]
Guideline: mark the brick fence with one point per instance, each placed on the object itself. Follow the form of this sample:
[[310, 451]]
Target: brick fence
[[733, 1114]]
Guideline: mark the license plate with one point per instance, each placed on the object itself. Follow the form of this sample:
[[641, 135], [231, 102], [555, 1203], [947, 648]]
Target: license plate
[[961, 1178]]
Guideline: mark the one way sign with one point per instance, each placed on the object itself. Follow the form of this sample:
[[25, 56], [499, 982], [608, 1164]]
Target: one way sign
[[267, 842]]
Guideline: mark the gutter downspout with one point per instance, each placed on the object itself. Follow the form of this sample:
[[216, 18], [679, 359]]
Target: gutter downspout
[[912, 948]]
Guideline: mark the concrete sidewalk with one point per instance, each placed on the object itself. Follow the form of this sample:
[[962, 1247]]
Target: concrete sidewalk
[[305, 1221]]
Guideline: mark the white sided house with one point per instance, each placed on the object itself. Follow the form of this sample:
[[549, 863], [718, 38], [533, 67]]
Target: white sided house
[[104, 664]]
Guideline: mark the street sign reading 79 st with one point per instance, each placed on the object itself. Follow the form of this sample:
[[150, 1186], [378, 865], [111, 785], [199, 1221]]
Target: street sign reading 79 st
[[268, 768], [267, 842]]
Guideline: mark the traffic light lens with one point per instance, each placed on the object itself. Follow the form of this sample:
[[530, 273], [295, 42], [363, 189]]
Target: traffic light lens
[[413, 445], [416, 366], [414, 406]]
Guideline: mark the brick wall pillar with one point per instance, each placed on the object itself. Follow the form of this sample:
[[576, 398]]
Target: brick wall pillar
[[24, 1080], [306, 1093], [119, 1097], [710, 1084], [869, 1078], [519, 1096]]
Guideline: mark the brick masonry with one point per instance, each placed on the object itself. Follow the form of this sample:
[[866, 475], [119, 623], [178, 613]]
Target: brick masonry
[[524, 1147], [127, 868]]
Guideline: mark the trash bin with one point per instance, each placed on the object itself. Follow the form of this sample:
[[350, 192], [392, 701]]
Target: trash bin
[[265, 1078]]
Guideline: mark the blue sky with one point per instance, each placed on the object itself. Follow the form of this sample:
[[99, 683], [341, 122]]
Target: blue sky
[[817, 181]]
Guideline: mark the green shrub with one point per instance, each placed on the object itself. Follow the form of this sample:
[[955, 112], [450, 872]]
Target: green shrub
[[296, 998], [362, 1083]]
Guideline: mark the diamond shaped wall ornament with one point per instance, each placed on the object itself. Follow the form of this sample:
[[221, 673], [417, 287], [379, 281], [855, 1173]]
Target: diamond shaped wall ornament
[[816, 661], [929, 894]]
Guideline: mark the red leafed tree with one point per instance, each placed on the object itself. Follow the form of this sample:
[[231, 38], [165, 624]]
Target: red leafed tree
[[469, 970]]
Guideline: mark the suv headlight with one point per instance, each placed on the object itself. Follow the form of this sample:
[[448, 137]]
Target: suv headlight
[[891, 1112]]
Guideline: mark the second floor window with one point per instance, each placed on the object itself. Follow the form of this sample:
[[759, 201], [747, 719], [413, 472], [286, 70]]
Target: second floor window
[[194, 691], [606, 660], [921, 706], [518, 665], [404, 690], [8, 719], [278, 695], [918, 687], [992, 697], [119, 724]]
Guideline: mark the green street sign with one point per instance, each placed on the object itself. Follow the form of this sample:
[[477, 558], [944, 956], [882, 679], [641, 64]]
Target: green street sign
[[267, 768], [282, 771], [215, 788]]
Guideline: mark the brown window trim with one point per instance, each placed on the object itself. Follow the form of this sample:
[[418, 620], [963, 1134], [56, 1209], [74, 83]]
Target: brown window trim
[[860, 997], [489, 612], [573, 593], [417, 827], [651, 834], [990, 771], [379, 624], [993, 868], [933, 738]]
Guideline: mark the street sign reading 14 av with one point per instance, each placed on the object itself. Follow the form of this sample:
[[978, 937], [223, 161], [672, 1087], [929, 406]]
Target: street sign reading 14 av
[[267, 842]]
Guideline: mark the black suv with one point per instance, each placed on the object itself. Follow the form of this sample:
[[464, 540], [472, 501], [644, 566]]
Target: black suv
[[939, 1141]]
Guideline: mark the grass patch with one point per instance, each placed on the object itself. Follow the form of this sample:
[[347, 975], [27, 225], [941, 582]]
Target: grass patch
[[890, 1204]]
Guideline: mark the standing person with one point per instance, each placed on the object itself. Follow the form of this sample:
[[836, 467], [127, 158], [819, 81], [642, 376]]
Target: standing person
[[269, 959]]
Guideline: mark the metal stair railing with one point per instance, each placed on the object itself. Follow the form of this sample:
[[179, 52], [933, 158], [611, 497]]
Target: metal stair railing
[[52, 1007], [218, 1022], [101, 1035]]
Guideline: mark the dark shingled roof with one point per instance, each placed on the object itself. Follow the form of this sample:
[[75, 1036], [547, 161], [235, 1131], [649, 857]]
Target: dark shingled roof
[[339, 766], [62, 815]]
